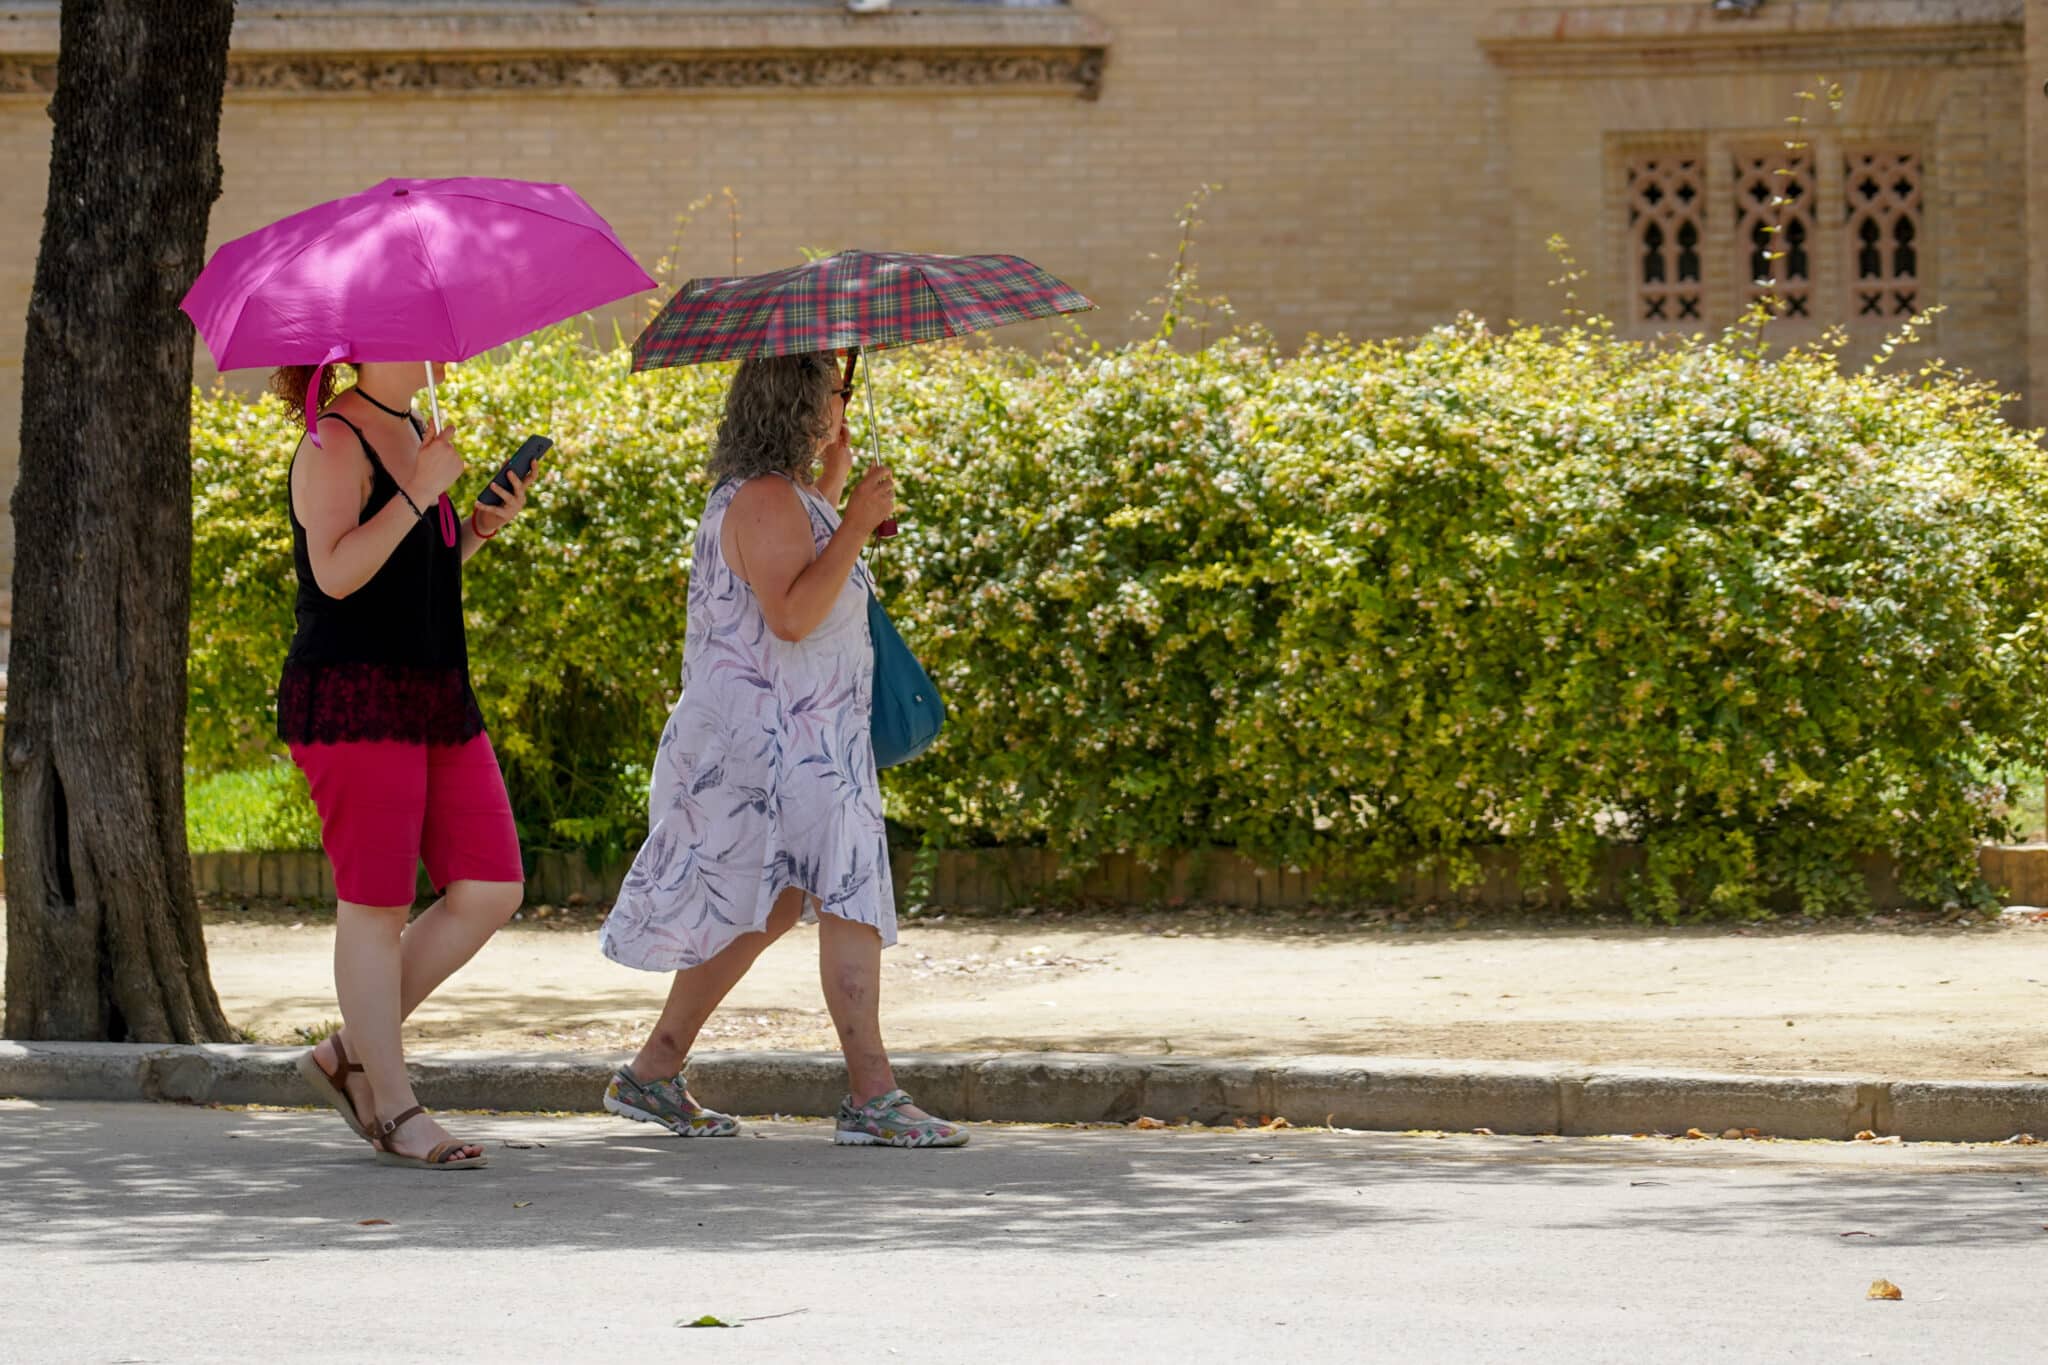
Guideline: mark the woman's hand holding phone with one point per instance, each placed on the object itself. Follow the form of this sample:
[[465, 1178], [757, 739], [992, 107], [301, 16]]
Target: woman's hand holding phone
[[505, 498]]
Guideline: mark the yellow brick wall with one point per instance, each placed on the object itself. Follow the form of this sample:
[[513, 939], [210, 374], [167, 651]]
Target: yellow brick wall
[[1355, 145], [1380, 173]]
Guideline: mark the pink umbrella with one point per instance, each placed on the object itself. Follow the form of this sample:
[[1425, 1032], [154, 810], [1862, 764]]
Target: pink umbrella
[[408, 270]]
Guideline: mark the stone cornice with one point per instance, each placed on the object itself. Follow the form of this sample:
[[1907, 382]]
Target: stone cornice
[[1638, 39], [581, 48]]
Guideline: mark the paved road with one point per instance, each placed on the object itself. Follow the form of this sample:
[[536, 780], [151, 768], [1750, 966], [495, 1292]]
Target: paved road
[[153, 1233]]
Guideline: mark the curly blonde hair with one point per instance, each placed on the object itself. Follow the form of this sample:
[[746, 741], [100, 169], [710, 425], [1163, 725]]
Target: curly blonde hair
[[777, 412]]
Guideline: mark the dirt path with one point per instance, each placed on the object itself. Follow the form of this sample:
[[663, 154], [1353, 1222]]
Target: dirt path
[[1917, 1001]]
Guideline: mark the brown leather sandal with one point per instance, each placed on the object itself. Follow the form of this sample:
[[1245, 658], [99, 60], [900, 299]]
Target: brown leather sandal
[[332, 1086], [442, 1158]]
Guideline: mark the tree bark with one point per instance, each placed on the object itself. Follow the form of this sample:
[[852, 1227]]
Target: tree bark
[[103, 931]]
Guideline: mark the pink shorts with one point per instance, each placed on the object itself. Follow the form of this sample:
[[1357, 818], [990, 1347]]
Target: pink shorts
[[385, 805]]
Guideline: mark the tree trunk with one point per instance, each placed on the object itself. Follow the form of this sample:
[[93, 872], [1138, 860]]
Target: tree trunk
[[103, 932]]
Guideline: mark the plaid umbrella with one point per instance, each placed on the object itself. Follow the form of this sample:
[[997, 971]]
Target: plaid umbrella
[[855, 301]]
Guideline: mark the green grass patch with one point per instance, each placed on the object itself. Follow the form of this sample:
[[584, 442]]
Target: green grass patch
[[260, 808]]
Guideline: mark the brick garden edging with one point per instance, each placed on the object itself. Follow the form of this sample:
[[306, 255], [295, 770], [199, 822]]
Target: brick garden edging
[[1002, 879]]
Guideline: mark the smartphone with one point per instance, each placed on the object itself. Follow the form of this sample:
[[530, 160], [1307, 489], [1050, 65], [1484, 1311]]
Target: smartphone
[[522, 462]]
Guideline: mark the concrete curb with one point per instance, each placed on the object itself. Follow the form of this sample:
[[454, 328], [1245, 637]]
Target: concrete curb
[[1378, 1093]]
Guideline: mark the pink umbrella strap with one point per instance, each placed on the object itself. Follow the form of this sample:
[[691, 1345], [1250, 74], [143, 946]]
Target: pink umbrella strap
[[338, 351]]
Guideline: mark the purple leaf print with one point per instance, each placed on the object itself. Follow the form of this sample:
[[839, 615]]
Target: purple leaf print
[[764, 777]]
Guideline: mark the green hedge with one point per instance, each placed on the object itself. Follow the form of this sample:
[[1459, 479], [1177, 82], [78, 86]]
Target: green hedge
[[1355, 608]]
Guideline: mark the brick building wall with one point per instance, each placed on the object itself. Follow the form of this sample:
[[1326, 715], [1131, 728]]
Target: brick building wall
[[1935, 85], [1384, 165]]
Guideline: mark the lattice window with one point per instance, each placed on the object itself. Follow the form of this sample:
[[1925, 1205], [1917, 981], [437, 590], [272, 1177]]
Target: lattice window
[[1885, 238], [1774, 227], [1666, 206]]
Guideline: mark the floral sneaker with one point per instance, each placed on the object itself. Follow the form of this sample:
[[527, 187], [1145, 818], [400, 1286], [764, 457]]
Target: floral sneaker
[[881, 1123], [667, 1103]]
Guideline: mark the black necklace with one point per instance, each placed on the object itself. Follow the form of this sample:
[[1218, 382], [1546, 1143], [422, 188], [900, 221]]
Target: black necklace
[[381, 407]]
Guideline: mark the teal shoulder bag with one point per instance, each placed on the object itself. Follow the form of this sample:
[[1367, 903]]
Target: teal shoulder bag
[[908, 713]]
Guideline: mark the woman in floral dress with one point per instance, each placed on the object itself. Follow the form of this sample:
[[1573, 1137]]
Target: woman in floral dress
[[764, 808]]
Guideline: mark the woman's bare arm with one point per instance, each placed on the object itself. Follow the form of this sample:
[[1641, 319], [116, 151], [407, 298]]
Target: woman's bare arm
[[768, 539], [769, 534], [330, 484]]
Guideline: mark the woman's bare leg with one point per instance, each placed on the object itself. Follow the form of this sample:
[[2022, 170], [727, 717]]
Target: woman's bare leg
[[431, 949], [367, 972], [850, 969], [695, 993]]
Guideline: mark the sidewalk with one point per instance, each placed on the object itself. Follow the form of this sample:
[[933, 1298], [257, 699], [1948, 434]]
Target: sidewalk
[[1904, 1002]]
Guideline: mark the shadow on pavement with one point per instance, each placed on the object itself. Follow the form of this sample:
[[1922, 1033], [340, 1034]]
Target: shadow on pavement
[[162, 1183]]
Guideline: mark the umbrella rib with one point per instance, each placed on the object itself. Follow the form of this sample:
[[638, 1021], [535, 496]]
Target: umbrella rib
[[326, 235], [598, 227], [427, 258]]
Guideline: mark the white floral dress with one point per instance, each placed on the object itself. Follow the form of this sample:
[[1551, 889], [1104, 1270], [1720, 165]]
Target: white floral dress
[[765, 778]]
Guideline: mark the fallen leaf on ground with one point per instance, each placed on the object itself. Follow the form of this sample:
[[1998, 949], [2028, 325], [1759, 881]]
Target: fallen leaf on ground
[[1482, 1132], [2023, 1140], [1885, 1289], [1263, 1156], [708, 1320], [1731, 1135], [1752, 1132], [1148, 1123], [524, 1146], [1866, 1136], [1274, 1125], [1856, 1234], [522, 1203], [1888, 1140], [1695, 1134], [373, 1222]]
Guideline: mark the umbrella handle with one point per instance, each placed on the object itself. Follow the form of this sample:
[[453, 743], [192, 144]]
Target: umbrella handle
[[887, 530], [433, 398]]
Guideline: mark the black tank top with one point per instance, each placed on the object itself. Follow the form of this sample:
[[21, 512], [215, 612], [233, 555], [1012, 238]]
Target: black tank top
[[389, 661]]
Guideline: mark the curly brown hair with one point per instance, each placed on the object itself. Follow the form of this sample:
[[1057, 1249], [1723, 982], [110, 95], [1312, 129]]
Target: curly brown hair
[[776, 414], [289, 383]]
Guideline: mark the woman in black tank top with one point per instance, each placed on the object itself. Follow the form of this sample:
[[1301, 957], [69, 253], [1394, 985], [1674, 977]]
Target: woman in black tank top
[[376, 707]]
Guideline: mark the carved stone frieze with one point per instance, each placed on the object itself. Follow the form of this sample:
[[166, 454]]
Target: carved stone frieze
[[1074, 71]]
